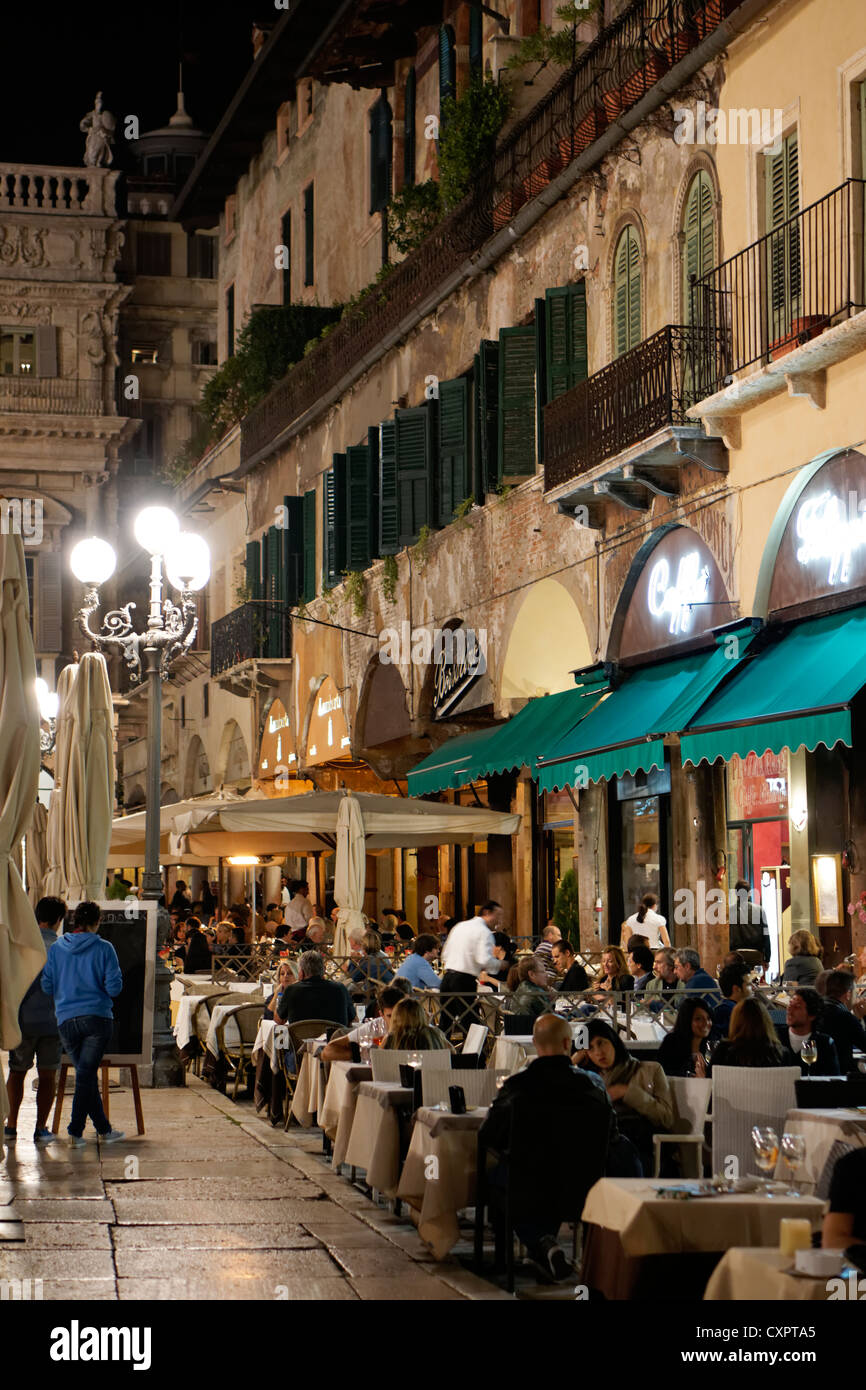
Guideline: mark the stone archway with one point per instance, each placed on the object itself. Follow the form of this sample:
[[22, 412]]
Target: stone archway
[[234, 758], [197, 778], [548, 640]]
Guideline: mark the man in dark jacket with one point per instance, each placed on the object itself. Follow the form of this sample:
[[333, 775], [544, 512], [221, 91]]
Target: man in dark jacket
[[839, 1020], [572, 976], [801, 1022], [749, 928], [314, 996], [82, 974], [523, 1115], [39, 1038], [693, 977]]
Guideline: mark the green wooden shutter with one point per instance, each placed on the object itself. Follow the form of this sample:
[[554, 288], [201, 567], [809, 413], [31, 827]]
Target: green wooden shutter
[[309, 236], [699, 242], [275, 593], [409, 128], [566, 352], [454, 482], [340, 494], [540, 372], [447, 70], [309, 580], [293, 549], [389, 529], [380, 154], [329, 570], [357, 508], [486, 423], [254, 569], [516, 401], [373, 490], [414, 450], [783, 244], [627, 293]]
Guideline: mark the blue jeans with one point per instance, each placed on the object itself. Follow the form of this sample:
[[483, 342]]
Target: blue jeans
[[85, 1040]]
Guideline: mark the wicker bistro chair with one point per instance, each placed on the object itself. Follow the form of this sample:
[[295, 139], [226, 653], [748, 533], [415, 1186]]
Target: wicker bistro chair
[[386, 1062], [692, 1096], [743, 1097], [201, 1021], [479, 1087], [239, 1053], [295, 1035]]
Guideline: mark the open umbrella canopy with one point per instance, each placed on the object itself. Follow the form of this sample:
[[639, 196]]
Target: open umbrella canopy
[[128, 833]]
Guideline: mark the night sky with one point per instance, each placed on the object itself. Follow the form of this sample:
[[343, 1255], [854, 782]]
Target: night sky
[[55, 57]]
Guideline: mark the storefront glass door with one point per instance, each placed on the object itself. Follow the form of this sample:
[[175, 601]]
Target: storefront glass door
[[759, 840]]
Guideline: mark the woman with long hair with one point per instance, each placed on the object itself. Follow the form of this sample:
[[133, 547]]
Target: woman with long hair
[[803, 966], [639, 1091], [410, 1031], [752, 1040], [285, 977], [648, 922], [614, 971], [685, 1051]]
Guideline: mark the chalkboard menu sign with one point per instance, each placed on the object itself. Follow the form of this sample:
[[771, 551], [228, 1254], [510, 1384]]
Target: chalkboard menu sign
[[131, 929]]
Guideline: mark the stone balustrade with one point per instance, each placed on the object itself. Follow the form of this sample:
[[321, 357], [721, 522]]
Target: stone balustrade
[[37, 188]]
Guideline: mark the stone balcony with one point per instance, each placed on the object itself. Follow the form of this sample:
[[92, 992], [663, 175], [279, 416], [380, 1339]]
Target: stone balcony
[[47, 190]]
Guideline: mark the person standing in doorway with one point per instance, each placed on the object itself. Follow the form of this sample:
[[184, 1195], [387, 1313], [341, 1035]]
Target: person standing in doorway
[[40, 1038], [82, 975]]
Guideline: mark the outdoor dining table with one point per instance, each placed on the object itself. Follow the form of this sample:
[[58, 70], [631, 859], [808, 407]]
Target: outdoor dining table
[[821, 1130], [183, 1029], [510, 1051], [745, 1274], [438, 1178], [634, 1231], [309, 1096], [374, 1144], [265, 1043], [338, 1107], [231, 1034]]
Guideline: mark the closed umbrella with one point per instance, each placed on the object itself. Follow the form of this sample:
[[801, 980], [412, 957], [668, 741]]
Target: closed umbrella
[[350, 874], [22, 953], [36, 853], [88, 797], [54, 883]]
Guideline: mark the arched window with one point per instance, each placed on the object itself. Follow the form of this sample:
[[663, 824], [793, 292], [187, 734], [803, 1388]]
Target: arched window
[[699, 243], [447, 68], [627, 292]]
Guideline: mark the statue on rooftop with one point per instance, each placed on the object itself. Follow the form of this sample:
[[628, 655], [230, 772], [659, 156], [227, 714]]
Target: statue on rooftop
[[98, 125]]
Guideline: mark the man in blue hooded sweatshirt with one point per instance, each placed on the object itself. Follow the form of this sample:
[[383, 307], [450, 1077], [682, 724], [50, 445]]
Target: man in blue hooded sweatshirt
[[83, 975]]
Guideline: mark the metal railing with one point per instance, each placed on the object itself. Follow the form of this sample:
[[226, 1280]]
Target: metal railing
[[51, 395], [612, 75], [638, 393], [258, 630], [801, 278]]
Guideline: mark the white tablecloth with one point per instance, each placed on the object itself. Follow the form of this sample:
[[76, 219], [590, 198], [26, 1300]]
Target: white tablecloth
[[821, 1129], [186, 1006], [265, 1043], [509, 1053], [232, 1036]]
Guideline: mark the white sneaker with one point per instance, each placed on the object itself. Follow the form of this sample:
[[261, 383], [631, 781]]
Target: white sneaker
[[77, 1141], [112, 1136]]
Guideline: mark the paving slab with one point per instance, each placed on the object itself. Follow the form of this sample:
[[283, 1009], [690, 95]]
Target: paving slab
[[64, 1209], [364, 1260], [225, 1264], [79, 1290], [210, 1189], [255, 1288], [275, 1236], [416, 1288], [131, 1212], [66, 1235], [18, 1263]]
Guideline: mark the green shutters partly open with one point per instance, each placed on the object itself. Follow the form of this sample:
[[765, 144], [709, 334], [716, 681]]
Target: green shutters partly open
[[309, 576], [447, 68], [293, 543], [699, 246], [373, 490], [516, 402], [275, 591], [254, 569], [330, 577], [414, 449], [358, 549], [380, 154], [454, 483], [389, 528], [338, 535], [783, 241], [486, 418], [627, 290], [566, 356]]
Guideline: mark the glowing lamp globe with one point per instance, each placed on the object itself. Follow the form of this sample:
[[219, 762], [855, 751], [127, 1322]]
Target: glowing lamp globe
[[155, 529], [187, 561], [93, 561], [48, 700]]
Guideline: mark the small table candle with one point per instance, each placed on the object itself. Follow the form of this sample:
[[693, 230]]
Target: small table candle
[[794, 1234]]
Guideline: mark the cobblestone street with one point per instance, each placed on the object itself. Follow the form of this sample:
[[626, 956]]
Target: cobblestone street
[[211, 1203]]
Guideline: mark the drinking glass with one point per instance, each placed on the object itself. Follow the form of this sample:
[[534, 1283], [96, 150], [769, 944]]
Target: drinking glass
[[501, 1078], [793, 1153], [809, 1051], [414, 1059], [765, 1142], [360, 1012]]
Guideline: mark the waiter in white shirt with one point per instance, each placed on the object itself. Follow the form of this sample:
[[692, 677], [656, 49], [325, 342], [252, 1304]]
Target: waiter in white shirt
[[467, 953], [300, 910]]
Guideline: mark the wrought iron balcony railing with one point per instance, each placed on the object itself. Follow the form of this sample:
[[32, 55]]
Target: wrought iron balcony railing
[[257, 631], [631, 398], [51, 395], [612, 75], [796, 281]]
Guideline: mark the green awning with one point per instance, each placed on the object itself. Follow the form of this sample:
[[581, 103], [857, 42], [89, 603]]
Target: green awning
[[793, 694], [624, 734], [472, 757]]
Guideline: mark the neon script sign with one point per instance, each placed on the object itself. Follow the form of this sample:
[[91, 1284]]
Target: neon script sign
[[826, 533], [674, 601]]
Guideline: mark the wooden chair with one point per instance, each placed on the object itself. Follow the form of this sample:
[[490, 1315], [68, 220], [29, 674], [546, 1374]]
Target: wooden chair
[[298, 1033], [239, 1053], [692, 1095]]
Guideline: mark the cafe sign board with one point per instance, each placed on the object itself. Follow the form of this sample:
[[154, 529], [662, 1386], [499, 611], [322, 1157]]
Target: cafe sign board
[[816, 555], [459, 659], [277, 754], [674, 595], [327, 730]]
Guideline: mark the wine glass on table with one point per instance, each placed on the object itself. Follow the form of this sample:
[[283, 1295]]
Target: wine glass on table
[[765, 1142], [809, 1052], [793, 1153], [414, 1060]]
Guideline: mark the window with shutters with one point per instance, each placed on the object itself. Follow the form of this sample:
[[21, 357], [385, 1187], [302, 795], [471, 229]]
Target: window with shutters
[[17, 352], [485, 419], [309, 234], [148, 440], [201, 256], [414, 459], [48, 594], [205, 701], [409, 128], [253, 570], [359, 551], [454, 481], [309, 578], [153, 253], [380, 154], [334, 488], [699, 246], [517, 408], [565, 345], [274, 584], [627, 292], [784, 276], [447, 70], [286, 240], [293, 548], [389, 528], [230, 321]]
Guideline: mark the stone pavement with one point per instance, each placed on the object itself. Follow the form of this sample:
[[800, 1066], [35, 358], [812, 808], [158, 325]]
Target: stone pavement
[[211, 1203]]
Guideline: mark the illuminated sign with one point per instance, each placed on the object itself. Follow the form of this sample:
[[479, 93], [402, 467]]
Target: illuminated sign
[[328, 733], [276, 752], [831, 535], [673, 601]]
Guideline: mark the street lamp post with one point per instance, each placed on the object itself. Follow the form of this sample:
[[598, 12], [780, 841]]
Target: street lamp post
[[184, 561], [48, 705]]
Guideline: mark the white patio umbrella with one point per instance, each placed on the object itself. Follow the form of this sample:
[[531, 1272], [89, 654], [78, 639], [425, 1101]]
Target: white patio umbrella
[[350, 875], [88, 798], [22, 953], [54, 883], [37, 861]]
